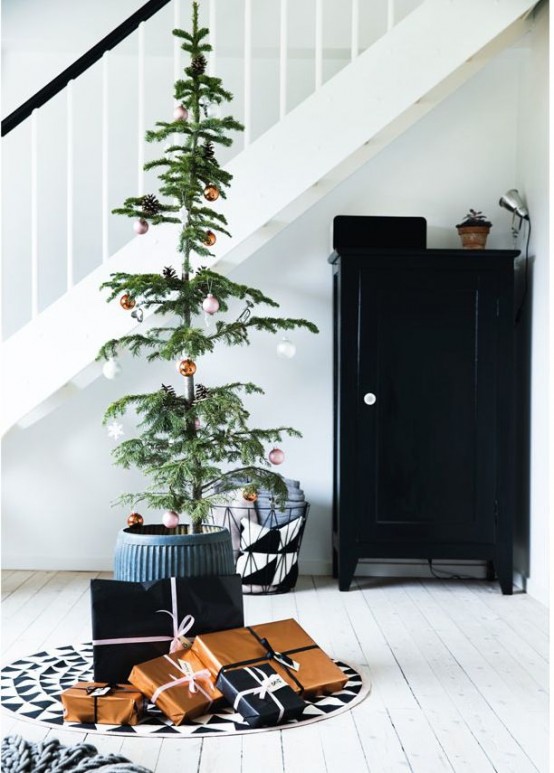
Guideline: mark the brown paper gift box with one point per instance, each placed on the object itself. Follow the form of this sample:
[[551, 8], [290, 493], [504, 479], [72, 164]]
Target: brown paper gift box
[[123, 705], [178, 702], [317, 672]]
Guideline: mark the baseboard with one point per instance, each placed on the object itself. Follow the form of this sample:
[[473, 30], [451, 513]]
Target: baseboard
[[63, 563], [365, 568], [539, 592], [406, 568]]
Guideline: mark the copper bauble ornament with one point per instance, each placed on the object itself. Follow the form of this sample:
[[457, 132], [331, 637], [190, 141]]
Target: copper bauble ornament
[[210, 239], [135, 519], [187, 368], [127, 302], [250, 496], [211, 192]]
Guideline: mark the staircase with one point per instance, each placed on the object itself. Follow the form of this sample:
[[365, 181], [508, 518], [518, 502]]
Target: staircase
[[342, 124]]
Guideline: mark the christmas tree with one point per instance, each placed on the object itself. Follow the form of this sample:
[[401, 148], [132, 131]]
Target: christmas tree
[[194, 442]]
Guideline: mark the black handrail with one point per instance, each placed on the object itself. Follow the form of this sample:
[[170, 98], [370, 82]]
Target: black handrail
[[83, 63]]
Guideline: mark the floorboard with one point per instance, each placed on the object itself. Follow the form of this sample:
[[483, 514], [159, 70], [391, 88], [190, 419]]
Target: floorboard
[[459, 677]]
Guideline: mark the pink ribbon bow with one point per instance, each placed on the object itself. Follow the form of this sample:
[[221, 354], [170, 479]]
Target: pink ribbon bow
[[179, 629], [191, 679]]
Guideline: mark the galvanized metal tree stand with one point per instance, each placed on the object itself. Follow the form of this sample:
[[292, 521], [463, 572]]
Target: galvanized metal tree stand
[[153, 552]]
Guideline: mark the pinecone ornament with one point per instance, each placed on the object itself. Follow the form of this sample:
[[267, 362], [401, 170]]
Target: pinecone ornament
[[201, 393], [150, 204], [198, 64], [169, 391], [208, 150]]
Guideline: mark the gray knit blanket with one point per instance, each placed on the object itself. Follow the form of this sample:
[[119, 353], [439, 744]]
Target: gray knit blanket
[[21, 756]]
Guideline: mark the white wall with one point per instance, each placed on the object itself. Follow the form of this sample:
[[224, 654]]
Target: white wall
[[532, 176], [58, 479]]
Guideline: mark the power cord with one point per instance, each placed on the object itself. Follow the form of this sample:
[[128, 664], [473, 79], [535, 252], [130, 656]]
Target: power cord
[[440, 574], [526, 275]]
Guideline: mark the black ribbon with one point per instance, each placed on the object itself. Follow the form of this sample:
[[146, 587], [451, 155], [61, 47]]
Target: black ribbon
[[113, 687], [271, 654]]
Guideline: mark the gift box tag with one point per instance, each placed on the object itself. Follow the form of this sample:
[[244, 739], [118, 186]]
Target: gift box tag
[[276, 682], [186, 667], [97, 692], [284, 660], [185, 642]]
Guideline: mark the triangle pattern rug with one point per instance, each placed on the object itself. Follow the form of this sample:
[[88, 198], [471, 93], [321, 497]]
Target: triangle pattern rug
[[30, 689]]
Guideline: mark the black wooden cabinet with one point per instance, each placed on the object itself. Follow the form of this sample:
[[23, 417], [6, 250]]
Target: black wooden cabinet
[[424, 407]]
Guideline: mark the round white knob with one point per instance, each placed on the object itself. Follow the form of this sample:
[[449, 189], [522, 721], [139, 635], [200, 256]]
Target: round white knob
[[369, 398]]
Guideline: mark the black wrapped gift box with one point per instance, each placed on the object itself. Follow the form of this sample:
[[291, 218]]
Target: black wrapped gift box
[[136, 621], [243, 688]]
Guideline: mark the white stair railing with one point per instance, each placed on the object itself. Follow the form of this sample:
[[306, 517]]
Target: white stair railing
[[91, 238]]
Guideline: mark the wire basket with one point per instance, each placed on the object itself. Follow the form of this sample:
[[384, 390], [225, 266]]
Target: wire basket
[[266, 544]]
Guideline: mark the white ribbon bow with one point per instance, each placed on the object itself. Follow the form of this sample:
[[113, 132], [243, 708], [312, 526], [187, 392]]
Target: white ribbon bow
[[266, 686]]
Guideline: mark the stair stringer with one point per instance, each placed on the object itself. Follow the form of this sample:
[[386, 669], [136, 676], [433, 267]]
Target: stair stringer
[[293, 165]]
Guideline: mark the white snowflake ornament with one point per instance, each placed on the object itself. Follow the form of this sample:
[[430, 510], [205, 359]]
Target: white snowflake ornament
[[115, 430]]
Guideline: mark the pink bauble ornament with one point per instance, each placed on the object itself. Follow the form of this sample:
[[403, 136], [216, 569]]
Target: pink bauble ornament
[[140, 226], [180, 113], [276, 456], [197, 424], [170, 519], [210, 304]]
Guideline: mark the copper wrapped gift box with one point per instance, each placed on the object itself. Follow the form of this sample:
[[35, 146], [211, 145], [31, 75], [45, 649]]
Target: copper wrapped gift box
[[285, 644], [179, 684], [260, 695], [133, 622], [102, 703]]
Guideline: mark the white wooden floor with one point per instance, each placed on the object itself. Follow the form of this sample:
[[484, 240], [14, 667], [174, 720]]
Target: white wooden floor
[[459, 677]]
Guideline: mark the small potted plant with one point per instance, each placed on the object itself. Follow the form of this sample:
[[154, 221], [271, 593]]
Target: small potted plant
[[474, 230]]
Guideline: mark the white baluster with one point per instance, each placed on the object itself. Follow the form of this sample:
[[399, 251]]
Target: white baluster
[[140, 110], [176, 44], [212, 28], [390, 14], [283, 60], [70, 185], [247, 71], [318, 44], [34, 213], [355, 24], [105, 155]]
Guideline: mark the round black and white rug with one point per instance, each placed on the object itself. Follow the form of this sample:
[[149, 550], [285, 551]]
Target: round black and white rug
[[30, 688]]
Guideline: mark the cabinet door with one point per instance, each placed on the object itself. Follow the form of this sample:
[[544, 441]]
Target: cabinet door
[[426, 446]]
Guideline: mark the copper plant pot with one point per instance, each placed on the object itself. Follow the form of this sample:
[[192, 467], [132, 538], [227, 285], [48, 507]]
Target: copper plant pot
[[474, 237]]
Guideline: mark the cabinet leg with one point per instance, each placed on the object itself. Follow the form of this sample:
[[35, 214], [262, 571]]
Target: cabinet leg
[[335, 564], [491, 573], [504, 571], [346, 567]]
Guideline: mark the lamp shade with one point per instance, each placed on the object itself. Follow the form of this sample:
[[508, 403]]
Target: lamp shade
[[513, 202]]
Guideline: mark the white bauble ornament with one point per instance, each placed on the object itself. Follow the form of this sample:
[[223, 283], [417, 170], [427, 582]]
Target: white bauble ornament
[[111, 368], [286, 349]]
